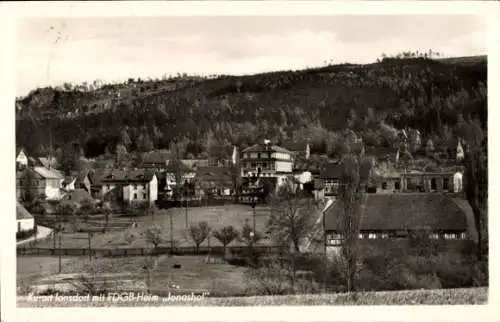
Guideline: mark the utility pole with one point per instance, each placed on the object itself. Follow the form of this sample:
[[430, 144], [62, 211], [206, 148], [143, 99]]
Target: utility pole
[[187, 221], [253, 210], [59, 232]]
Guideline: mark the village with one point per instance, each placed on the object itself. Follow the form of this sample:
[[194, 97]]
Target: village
[[223, 207]]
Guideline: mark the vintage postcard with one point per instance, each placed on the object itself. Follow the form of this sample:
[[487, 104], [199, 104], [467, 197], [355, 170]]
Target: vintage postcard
[[297, 160]]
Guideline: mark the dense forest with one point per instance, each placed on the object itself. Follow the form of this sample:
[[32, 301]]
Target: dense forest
[[436, 96]]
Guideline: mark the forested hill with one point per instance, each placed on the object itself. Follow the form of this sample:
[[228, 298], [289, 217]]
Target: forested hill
[[315, 105]]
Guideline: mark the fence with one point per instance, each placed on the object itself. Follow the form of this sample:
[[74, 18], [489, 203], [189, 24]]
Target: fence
[[130, 252]]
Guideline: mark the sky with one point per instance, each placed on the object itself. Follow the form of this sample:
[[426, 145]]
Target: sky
[[53, 51]]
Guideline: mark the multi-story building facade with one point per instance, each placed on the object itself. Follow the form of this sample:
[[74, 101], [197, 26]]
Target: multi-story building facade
[[264, 168]]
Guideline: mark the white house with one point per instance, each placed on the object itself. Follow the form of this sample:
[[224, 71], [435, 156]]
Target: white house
[[131, 186], [25, 221], [21, 158], [43, 182]]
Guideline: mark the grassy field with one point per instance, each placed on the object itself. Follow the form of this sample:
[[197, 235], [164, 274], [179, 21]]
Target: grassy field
[[128, 273], [215, 216], [419, 297]]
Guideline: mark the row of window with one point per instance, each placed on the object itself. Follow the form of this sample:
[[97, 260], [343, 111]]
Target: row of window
[[336, 239], [266, 155], [134, 187], [409, 184], [262, 165]]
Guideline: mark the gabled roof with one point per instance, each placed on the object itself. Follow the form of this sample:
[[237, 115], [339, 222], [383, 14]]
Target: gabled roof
[[80, 177], [77, 196], [264, 148], [48, 173], [19, 151], [47, 162], [403, 212], [136, 175], [21, 212]]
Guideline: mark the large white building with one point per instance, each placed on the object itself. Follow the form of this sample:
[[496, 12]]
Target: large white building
[[267, 160]]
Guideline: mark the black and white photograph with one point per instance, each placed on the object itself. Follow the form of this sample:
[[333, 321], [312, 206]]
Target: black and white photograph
[[250, 160]]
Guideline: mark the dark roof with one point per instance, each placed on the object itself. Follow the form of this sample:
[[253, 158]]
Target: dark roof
[[307, 165], [21, 212], [334, 171], [139, 175], [261, 147], [77, 195], [222, 174], [402, 212], [80, 177]]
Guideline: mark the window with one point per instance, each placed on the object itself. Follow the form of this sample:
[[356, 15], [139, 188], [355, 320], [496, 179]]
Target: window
[[397, 185], [135, 196], [253, 165], [372, 236], [143, 196], [463, 236], [384, 185], [384, 235], [361, 236], [434, 236], [450, 236]]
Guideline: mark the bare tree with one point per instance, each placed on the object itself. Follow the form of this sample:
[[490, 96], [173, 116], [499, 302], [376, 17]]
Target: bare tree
[[248, 236], [87, 209], [225, 236], [199, 233], [291, 217], [349, 198], [154, 236], [63, 211]]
